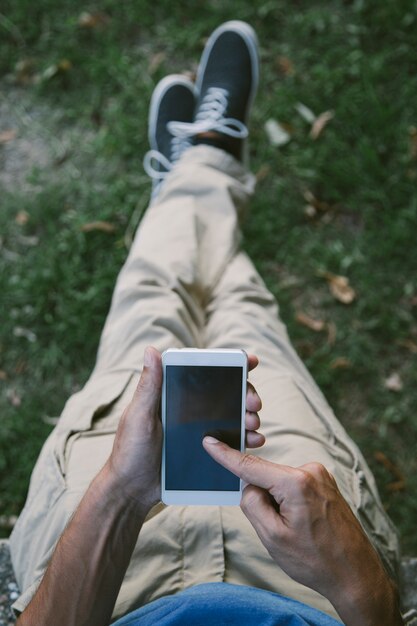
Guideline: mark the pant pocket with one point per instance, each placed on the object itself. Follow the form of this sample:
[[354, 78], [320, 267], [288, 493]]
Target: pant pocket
[[100, 395]]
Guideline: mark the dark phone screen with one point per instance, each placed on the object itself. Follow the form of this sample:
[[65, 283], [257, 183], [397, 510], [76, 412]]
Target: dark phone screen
[[201, 400]]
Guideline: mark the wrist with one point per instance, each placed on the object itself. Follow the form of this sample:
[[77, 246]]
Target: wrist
[[120, 494]]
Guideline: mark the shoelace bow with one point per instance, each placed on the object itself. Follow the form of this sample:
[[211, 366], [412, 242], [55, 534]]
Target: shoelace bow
[[210, 117]]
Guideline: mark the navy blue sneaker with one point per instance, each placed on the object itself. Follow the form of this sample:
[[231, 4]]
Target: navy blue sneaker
[[227, 81], [173, 99]]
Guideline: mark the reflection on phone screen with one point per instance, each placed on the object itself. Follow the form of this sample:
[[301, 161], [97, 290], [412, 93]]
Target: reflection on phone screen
[[201, 400]]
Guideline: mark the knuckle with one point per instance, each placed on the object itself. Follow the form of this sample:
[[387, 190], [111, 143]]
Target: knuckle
[[310, 476], [248, 461], [317, 470], [303, 480]]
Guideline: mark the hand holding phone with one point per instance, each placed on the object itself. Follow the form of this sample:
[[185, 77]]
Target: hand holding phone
[[136, 456]]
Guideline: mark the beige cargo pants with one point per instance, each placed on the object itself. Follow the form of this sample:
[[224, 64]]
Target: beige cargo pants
[[186, 283]]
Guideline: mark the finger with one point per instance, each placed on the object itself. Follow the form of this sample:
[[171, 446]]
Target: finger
[[147, 395], [253, 401], [254, 439], [252, 421], [257, 505], [251, 469], [252, 362]]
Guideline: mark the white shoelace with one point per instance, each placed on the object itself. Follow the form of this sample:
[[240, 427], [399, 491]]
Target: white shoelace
[[210, 117], [179, 144]]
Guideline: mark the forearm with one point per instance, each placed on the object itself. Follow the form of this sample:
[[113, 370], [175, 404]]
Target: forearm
[[84, 576], [375, 603]]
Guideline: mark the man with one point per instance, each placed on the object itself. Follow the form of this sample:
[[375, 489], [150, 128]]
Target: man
[[311, 543]]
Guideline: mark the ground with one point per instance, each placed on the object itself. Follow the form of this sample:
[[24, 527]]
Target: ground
[[332, 227]]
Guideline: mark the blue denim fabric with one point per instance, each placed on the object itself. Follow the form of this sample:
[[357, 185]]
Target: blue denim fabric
[[215, 604]]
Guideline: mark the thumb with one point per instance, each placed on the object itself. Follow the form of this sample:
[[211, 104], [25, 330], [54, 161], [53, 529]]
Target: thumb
[[147, 396]]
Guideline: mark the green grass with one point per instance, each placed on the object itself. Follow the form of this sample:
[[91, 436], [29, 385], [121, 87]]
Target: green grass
[[354, 58]]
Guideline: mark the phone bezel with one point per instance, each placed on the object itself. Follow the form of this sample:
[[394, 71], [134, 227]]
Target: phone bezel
[[214, 358]]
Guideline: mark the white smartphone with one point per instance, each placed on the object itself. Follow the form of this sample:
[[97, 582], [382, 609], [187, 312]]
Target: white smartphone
[[203, 393]]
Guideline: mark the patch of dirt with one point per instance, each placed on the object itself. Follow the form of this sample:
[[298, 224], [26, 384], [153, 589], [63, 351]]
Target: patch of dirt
[[28, 146], [35, 137]]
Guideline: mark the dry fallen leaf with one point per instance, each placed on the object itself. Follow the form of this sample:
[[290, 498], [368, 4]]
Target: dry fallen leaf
[[409, 344], [24, 70], [93, 20], [13, 397], [305, 348], [310, 211], [276, 133], [190, 72], [3, 375], [340, 363], [21, 367], [320, 123], [399, 483], [394, 382], [396, 485], [156, 61], [285, 66], [263, 172], [314, 202], [331, 333], [64, 65], [22, 218], [60, 68], [104, 227], [7, 135], [310, 322], [339, 287]]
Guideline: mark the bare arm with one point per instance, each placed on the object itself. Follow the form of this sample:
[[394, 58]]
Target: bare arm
[[84, 576], [87, 568], [310, 531], [83, 579]]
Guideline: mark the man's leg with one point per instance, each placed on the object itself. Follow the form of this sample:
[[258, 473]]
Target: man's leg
[[183, 246], [298, 424], [157, 300]]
